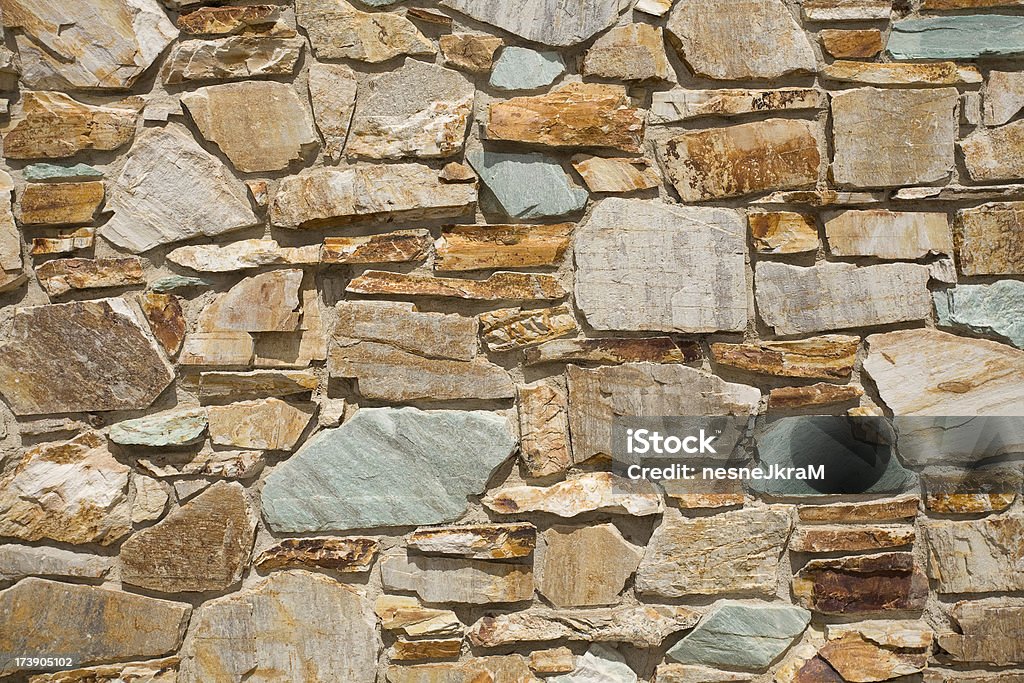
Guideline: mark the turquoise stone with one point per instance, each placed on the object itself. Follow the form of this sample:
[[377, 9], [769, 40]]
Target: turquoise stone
[[50, 173], [528, 186], [173, 282], [958, 37], [519, 68], [995, 310]]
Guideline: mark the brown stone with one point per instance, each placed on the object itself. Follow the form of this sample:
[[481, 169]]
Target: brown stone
[[635, 52], [873, 511], [544, 426], [679, 104], [814, 395], [398, 324], [995, 154], [573, 115], [557, 660], [268, 424], [337, 30], [166, 319], [203, 546], [211, 349], [497, 287], [485, 247], [776, 154], [898, 73], [213, 464], [614, 351], [455, 172], [295, 349], [833, 539], [233, 57], [950, 676], [584, 567], [506, 669], [817, 670], [429, 648], [61, 276], [258, 383], [225, 21], [61, 203], [866, 584], [156, 671], [852, 44], [783, 232], [407, 616], [470, 52], [65, 243], [989, 632], [858, 659], [477, 541], [401, 246], [617, 176], [345, 555], [508, 329], [976, 556], [989, 239], [54, 126], [971, 491], [276, 291], [446, 579]]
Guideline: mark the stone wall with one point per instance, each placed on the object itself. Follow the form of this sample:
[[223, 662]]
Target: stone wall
[[316, 317]]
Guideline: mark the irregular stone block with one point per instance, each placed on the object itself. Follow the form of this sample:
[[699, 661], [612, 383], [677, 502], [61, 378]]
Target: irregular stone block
[[507, 669], [820, 394], [987, 634], [171, 428], [544, 425], [894, 73], [268, 424], [433, 335], [990, 489], [904, 507], [232, 58], [53, 173], [520, 68], [584, 567], [585, 493], [485, 247], [960, 37], [528, 186], [500, 286], [616, 175], [852, 44], [63, 204], [277, 293], [990, 239], [599, 663], [242, 255], [476, 541], [508, 329], [337, 30], [995, 310], [635, 52], [828, 357], [337, 554], [224, 21], [871, 655], [832, 539], [444, 579], [166, 319], [889, 234], [470, 52], [1004, 96], [217, 464], [18, 562], [670, 106], [401, 246], [53, 125], [403, 650], [549, 22], [211, 349], [846, 10], [156, 671], [976, 556], [407, 616], [332, 92], [867, 584], [614, 351], [783, 232], [694, 673], [60, 276], [994, 154], [558, 660]]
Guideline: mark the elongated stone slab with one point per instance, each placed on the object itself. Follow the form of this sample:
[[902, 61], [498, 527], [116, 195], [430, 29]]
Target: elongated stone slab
[[504, 669], [550, 22], [483, 247], [232, 20], [60, 276], [515, 328], [995, 310], [18, 562], [586, 493], [528, 186], [444, 579], [234, 57], [895, 73], [401, 246], [500, 286], [888, 234], [404, 614], [827, 357], [865, 584], [63, 204], [242, 255], [1004, 97], [670, 106], [846, 10], [53, 125], [903, 507], [346, 555], [960, 38], [172, 428], [831, 539], [544, 426], [476, 541], [614, 351], [432, 335], [214, 464], [990, 240]]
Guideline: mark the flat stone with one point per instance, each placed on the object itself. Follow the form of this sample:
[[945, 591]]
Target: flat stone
[[949, 676], [346, 555], [400, 246], [54, 173], [846, 10], [895, 73], [989, 239], [405, 615], [231, 58], [960, 37], [224, 117], [267, 424], [124, 625], [904, 507], [832, 539], [520, 68], [671, 106], [508, 329], [299, 348], [213, 349], [261, 383], [171, 189], [892, 137], [332, 91], [747, 635], [476, 541], [242, 255], [155, 671], [214, 464], [445, 579], [544, 426], [889, 234], [53, 125], [977, 556], [175, 282], [740, 40], [619, 176], [500, 286], [240, 634], [18, 562], [1004, 97], [852, 43], [968, 4], [469, 52], [424, 649], [599, 663], [655, 8], [225, 21], [506, 669], [60, 276], [379, 193], [783, 232], [556, 660], [827, 197], [634, 52], [994, 154], [835, 296], [703, 288], [749, 158], [995, 310], [528, 186], [643, 626], [150, 500], [203, 546], [820, 394], [63, 204], [587, 492], [335, 481], [277, 292], [928, 372], [418, 110], [694, 673], [861, 585], [171, 428], [100, 349], [732, 552], [105, 45], [857, 656], [434, 335], [486, 247], [614, 351], [987, 632], [337, 30], [584, 567], [166, 319], [549, 22], [457, 172]]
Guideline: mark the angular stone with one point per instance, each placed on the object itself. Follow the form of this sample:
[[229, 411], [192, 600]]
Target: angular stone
[[476, 541], [225, 21], [174, 282], [520, 68], [507, 669], [123, 625], [457, 172], [832, 539], [403, 650], [155, 671], [748, 635], [616, 175], [99, 349], [891, 137], [337, 30], [240, 635], [656, 8], [53, 173], [1004, 96], [961, 37], [598, 396], [700, 288], [634, 52], [232, 58], [53, 125], [103, 45], [894, 73], [821, 394], [211, 349], [61, 276], [852, 44], [857, 656], [171, 189], [470, 52], [893, 509], [528, 186], [584, 567], [864, 584], [485, 247], [418, 110], [500, 286], [549, 22], [18, 562], [276, 291], [749, 158], [398, 324], [166, 319], [740, 39], [215, 464], [846, 10], [615, 351], [242, 255], [994, 154], [544, 425], [266, 424], [335, 481], [783, 232], [977, 556], [379, 193], [262, 383], [401, 246], [407, 616], [692, 673], [995, 310], [63, 204], [889, 234], [732, 552], [224, 116], [344, 555], [928, 372], [558, 660], [670, 106], [444, 579], [171, 428], [203, 546], [599, 663], [989, 239], [643, 626], [834, 296], [332, 91], [988, 632], [295, 349], [508, 329], [585, 493], [573, 115]]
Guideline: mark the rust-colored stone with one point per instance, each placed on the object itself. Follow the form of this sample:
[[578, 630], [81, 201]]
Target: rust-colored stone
[[827, 357], [499, 286], [817, 670], [166, 319], [61, 203], [829, 539], [971, 491], [544, 425], [401, 246], [855, 43], [431, 648], [479, 247], [353, 554], [54, 126], [60, 276], [821, 394], [904, 507], [867, 584], [783, 232], [615, 350], [225, 21], [479, 541]]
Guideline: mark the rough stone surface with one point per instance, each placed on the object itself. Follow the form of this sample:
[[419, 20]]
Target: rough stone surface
[[53, 125], [60, 276], [868, 584], [963, 38], [679, 104], [889, 235], [64, 204], [337, 30], [586, 493], [550, 22], [231, 58], [994, 155], [827, 357], [401, 246], [405, 615], [975, 556], [852, 43], [447, 579], [544, 426], [616, 175], [1004, 97], [989, 239], [783, 232], [332, 92], [166, 319], [600, 663], [986, 632], [584, 567], [499, 286], [995, 310], [507, 329], [476, 541], [173, 428], [614, 351], [486, 247], [528, 186], [18, 562], [470, 52], [520, 68], [872, 73], [337, 554], [830, 539], [505, 669], [635, 52], [267, 424]]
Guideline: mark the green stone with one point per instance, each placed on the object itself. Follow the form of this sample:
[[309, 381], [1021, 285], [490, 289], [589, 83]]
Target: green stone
[[995, 310], [519, 68], [52, 173], [173, 282], [175, 428], [742, 635], [528, 186], [958, 37]]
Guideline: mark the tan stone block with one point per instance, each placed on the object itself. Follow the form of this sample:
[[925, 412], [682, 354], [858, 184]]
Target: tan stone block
[[485, 247], [60, 203]]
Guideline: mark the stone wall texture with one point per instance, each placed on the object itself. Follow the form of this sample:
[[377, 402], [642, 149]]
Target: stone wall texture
[[315, 317]]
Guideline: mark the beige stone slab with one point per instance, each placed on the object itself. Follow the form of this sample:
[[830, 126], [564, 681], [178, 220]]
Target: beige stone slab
[[242, 255], [212, 349], [986, 634], [829, 539], [401, 246], [1004, 97], [234, 57], [277, 295], [634, 52], [977, 556], [615, 351], [901, 73], [783, 232], [402, 325], [995, 154], [406, 615], [846, 10], [60, 276], [584, 493], [616, 176], [889, 234], [443, 579], [470, 52], [337, 30], [267, 424], [52, 125], [476, 541], [670, 106], [332, 92], [500, 286], [486, 247], [66, 243]]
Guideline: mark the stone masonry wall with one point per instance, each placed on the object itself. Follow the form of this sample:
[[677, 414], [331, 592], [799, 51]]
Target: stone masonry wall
[[316, 316]]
